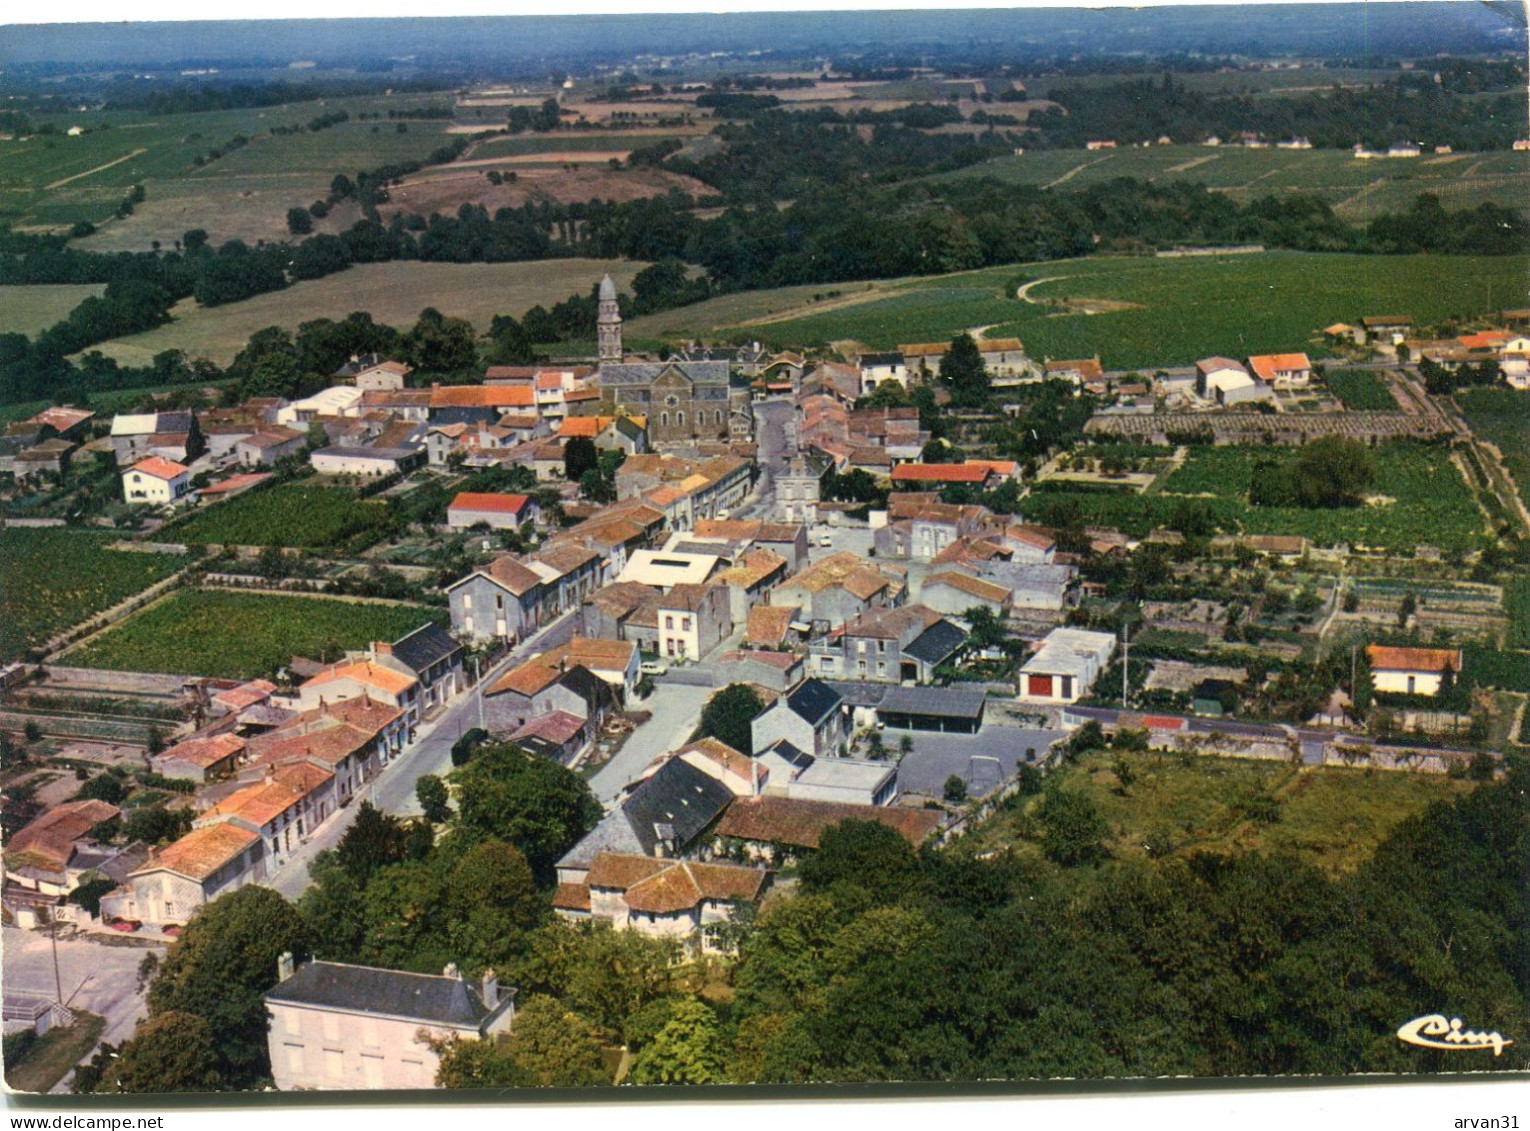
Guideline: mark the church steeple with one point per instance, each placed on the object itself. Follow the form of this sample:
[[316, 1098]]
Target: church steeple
[[608, 322]]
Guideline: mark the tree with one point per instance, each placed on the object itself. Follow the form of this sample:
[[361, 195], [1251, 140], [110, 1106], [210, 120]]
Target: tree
[[168, 1052], [728, 715], [32, 731], [491, 901], [1407, 608], [1333, 471], [1072, 828], [374, 840], [580, 455], [864, 854], [532, 803], [963, 369], [299, 222], [103, 787], [218, 969], [471, 740], [552, 1046], [955, 790], [433, 797], [687, 1050], [1125, 772]]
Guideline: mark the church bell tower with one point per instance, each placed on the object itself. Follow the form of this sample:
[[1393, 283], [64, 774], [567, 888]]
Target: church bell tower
[[608, 323]]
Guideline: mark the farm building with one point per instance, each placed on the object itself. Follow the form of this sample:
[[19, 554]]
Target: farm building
[[497, 511], [366, 461], [1411, 671]]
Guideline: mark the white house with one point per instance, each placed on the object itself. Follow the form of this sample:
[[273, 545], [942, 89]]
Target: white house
[[155, 480], [1282, 370], [1411, 671], [1065, 666]]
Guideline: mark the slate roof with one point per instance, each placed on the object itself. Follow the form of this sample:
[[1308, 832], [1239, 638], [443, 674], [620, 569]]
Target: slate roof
[[937, 643], [644, 373], [942, 702], [428, 998], [679, 797], [429, 644], [813, 699]]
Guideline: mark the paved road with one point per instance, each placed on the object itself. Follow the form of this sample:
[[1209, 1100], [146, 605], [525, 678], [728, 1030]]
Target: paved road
[[96, 977], [393, 790], [676, 711], [773, 451]]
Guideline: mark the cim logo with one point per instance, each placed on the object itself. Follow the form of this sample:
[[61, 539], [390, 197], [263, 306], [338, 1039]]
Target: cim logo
[[1436, 1031]]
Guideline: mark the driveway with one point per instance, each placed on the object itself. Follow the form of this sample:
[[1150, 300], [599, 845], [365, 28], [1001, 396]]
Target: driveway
[[96, 977], [676, 711], [393, 790], [983, 760]]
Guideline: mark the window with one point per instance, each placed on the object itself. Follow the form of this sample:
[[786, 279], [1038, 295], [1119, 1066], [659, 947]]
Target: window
[[334, 1063], [499, 602], [292, 1023], [372, 1070], [294, 1059], [680, 418], [685, 624], [718, 416], [369, 1032], [467, 602], [331, 1027], [881, 668], [669, 624], [664, 419]]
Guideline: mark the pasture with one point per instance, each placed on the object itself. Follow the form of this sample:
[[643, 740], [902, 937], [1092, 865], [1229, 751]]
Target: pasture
[[242, 635], [394, 293], [57, 577], [1330, 816], [29, 309], [1181, 308]]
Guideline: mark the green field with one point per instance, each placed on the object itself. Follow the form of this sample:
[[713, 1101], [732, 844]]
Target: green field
[[55, 578], [1180, 309], [1502, 417], [1516, 602], [1360, 390], [1332, 817], [394, 293], [57, 180], [310, 517], [28, 309], [242, 635], [1356, 189], [1429, 502]]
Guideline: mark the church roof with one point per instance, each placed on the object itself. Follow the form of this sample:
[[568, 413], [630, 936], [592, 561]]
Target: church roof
[[646, 372]]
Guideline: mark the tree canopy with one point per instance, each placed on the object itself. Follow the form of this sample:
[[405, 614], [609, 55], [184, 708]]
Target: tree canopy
[[728, 715]]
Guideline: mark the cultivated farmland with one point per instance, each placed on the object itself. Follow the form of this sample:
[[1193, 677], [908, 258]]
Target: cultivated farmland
[[1360, 390], [394, 293], [1157, 312], [1502, 417], [242, 635], [308, 517], [1420, 498], [56, 578]]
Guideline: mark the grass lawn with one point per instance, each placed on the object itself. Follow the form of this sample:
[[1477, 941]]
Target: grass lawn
[[291, 516], [1360, 390], [1333, 817], [1502, 417], [1177, 310], [28, 309], [242, 635], [56, 577], [50, 1058], [394, 293]]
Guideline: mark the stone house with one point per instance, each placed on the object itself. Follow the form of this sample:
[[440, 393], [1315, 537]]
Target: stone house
[[661, 898], [498, 601], [811, 717], [693, 620]]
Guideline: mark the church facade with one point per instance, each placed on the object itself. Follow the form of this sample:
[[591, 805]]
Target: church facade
[[685, 403]]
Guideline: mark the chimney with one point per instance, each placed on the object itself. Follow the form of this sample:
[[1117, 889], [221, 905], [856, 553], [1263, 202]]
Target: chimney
[[451, 971], [284, 966], [382, 649], [490, 989]]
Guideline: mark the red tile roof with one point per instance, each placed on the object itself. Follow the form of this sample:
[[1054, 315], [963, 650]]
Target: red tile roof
[[159, 467], [482, 396], [202, 852], [1384, 658], [489, 502], [941, 473], [782, 820]]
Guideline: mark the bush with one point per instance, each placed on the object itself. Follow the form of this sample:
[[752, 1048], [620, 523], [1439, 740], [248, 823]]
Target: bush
[[16, 1046]]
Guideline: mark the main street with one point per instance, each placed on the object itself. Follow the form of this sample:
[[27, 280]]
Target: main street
[[393, 790]]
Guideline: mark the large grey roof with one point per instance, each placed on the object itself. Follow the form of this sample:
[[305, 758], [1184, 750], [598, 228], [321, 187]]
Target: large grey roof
[[614, 834], [431, 998], [644, 372], [813, 699], [426, 645], [937, 643], [945, 702], [679, 796]]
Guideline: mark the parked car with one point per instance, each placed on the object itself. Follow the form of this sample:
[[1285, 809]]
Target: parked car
[[653, 667]]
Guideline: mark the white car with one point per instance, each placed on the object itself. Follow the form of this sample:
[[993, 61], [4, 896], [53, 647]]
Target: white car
[[653, 667], [826, 539]]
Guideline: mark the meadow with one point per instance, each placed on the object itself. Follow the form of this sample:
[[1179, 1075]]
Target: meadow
[[1356, 189], [394, 293], [1427, 501], [28, 309], [1332, 817], [56, 577], [1502, 417], [288, 516], [242, 635], [1181, 308]]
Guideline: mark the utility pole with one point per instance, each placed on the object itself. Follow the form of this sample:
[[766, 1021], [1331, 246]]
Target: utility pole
[[58, 982], [1126, 662], [478, 681]]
